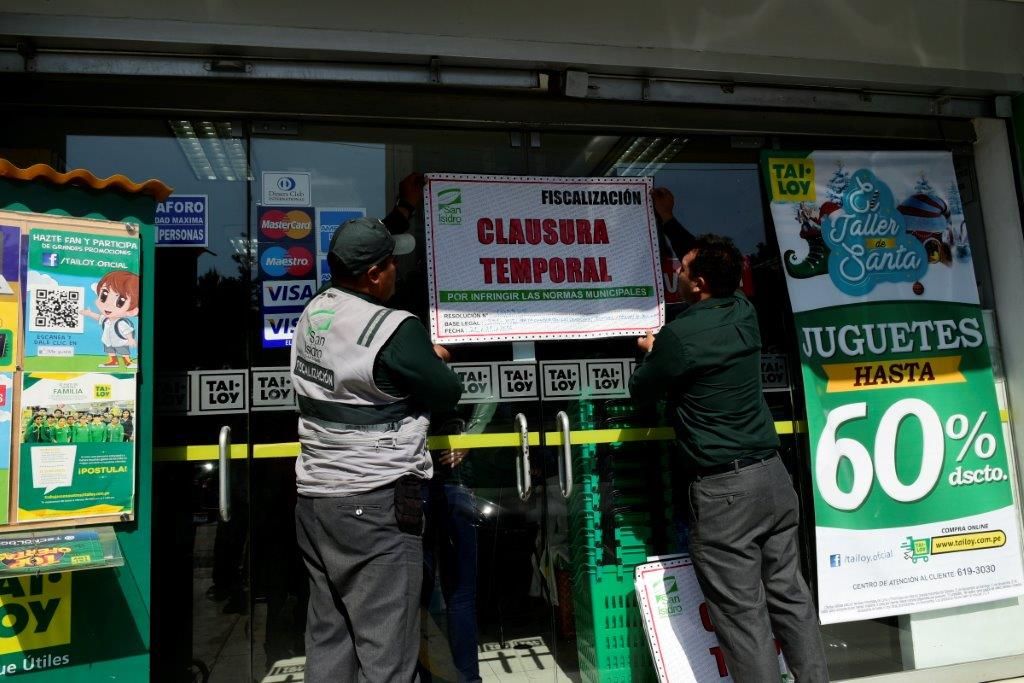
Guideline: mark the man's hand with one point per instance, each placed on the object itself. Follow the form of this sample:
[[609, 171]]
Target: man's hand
[[664, 203], [646, 343], [442, 353], [411, 189], [453, 458]]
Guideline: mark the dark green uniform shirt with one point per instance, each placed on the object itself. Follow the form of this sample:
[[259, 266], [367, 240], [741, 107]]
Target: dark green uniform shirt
[[115, 433], [38, 434], [97, 432], [80, 433], [707, 362]]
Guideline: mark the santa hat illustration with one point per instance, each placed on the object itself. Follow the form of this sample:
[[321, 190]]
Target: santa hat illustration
[[924, 213]]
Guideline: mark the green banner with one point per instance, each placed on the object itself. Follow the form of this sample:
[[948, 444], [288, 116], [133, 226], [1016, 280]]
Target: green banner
[[913, 502]]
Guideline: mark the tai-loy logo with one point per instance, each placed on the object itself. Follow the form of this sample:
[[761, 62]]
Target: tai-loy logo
[[449, 206]]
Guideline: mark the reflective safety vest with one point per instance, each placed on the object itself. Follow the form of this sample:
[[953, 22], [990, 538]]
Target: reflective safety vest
[[336, 343]]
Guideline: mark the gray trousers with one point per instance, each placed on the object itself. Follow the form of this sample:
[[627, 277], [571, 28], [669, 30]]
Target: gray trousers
[[743, 542], [365, 576]]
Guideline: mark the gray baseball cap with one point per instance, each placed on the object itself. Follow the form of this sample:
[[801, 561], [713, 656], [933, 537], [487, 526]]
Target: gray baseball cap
[[363, 242]]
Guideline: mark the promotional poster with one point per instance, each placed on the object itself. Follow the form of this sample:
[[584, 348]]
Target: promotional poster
[[531, 258], [82, 302], [64, 550], [10, 296], [912, 494], [287, 270], [77, 446]]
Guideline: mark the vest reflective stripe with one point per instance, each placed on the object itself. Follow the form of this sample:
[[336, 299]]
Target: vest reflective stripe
[[337, 341], [332, 411], [336, 344], [371, 327]]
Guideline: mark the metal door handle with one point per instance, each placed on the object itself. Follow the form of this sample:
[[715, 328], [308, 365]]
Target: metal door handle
[[224, 472], [565, 458], [523, 482]]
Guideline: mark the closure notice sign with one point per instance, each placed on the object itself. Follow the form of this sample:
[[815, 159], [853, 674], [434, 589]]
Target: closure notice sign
[[530, 258]]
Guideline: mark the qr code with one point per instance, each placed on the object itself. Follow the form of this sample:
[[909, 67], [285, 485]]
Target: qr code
[[56, 309]]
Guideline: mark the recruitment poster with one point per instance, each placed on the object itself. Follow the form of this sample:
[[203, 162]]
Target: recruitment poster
[[76, 446], [912, 493], [530, 258], [82, 301], [287, 270]]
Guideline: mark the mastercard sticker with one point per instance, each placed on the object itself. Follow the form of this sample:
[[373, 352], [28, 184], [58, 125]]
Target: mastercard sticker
[[285, 224]]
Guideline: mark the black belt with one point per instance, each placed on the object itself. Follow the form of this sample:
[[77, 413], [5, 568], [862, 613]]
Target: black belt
[[732, 466]]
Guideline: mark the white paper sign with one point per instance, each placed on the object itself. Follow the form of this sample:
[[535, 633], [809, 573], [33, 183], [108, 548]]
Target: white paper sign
[[530, 258], [679, 629], [52, 466], [286, 189]]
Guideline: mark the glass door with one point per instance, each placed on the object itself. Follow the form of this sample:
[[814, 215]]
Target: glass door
[[200, 427], [486, 605]]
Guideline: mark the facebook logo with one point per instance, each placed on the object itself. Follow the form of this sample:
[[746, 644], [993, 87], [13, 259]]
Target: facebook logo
[[50, 259], [835, 560]]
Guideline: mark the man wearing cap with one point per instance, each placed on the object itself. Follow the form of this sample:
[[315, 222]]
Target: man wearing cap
[[366, 377]]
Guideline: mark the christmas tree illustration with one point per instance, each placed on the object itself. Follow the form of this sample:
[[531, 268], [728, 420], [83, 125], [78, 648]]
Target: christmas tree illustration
[[956, 205]]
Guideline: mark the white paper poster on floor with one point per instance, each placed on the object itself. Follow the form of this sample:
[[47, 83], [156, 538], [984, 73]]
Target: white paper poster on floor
[[683, 644]]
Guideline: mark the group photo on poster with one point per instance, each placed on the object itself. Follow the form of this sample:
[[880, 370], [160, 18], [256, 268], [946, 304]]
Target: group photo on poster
[[77, 450]]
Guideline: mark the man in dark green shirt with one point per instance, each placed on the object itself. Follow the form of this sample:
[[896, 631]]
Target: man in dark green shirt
[[743, 509]]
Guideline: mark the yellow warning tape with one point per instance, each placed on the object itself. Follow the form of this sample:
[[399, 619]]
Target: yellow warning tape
[[581, 437], [239, 451]]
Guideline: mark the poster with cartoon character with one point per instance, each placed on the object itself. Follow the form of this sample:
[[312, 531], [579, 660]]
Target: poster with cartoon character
[[912, 480], [81, 301], [76, 445]]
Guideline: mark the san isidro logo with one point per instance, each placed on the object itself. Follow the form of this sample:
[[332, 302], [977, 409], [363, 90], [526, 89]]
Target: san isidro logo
[[449, 206], [868, 240], [666, 597]]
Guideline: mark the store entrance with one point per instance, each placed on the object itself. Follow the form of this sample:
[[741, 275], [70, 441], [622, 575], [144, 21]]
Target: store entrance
[[485, 601], [531, 574], [527, 573], [552, 561]]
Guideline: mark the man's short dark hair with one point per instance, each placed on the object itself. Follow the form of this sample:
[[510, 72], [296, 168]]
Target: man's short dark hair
[[719, 262]]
